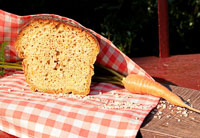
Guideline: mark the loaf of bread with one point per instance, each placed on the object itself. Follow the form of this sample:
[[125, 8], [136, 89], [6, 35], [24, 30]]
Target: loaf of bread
[[58, 56]]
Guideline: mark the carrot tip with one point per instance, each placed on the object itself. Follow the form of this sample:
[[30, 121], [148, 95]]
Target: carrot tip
[[193, 109]]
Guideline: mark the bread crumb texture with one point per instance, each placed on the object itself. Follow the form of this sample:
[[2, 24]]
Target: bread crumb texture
[[58, 56]]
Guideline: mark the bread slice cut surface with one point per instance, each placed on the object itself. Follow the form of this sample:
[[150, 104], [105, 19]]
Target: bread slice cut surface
[[58, 56]]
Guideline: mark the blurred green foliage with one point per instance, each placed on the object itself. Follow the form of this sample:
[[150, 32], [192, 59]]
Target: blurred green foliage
[[184, 26], [132, 25]]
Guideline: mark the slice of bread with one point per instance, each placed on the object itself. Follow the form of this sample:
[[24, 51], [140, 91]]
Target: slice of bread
[[58, 55]]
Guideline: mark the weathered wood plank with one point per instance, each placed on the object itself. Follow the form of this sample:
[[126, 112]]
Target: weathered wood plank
[[181, 70], [173, 122]]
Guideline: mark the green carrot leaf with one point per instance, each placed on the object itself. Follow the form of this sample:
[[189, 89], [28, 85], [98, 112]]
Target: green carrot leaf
[[2, 56]]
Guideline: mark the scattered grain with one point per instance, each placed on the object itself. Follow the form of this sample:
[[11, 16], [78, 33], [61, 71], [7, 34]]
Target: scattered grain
[[168, 116], [116, 95], [185, 115], [180, 111], [178, 108], [171, 105], [188, 100], [164, 106], [159, 113]]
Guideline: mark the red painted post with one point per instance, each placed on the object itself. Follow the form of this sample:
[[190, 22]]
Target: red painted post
[[163, 28]]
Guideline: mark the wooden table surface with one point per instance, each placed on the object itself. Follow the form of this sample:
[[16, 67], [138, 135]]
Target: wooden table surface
[[171, 121], [180, 70]]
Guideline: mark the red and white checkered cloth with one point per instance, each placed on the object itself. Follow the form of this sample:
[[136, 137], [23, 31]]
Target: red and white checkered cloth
[[109, 111]]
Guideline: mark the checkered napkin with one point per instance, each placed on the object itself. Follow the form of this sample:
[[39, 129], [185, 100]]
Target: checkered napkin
[[109, 110]]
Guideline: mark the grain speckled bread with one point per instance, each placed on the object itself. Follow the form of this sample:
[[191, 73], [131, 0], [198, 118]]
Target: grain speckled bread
[[58, 56]]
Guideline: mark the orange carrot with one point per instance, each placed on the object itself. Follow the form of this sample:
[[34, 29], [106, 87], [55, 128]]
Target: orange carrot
[[142, 85]]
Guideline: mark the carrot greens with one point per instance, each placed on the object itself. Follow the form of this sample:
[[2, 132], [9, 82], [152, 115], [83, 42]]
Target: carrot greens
[[2, 57]]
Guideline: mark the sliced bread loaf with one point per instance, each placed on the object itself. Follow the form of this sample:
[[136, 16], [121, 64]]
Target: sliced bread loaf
[[58, 55]]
